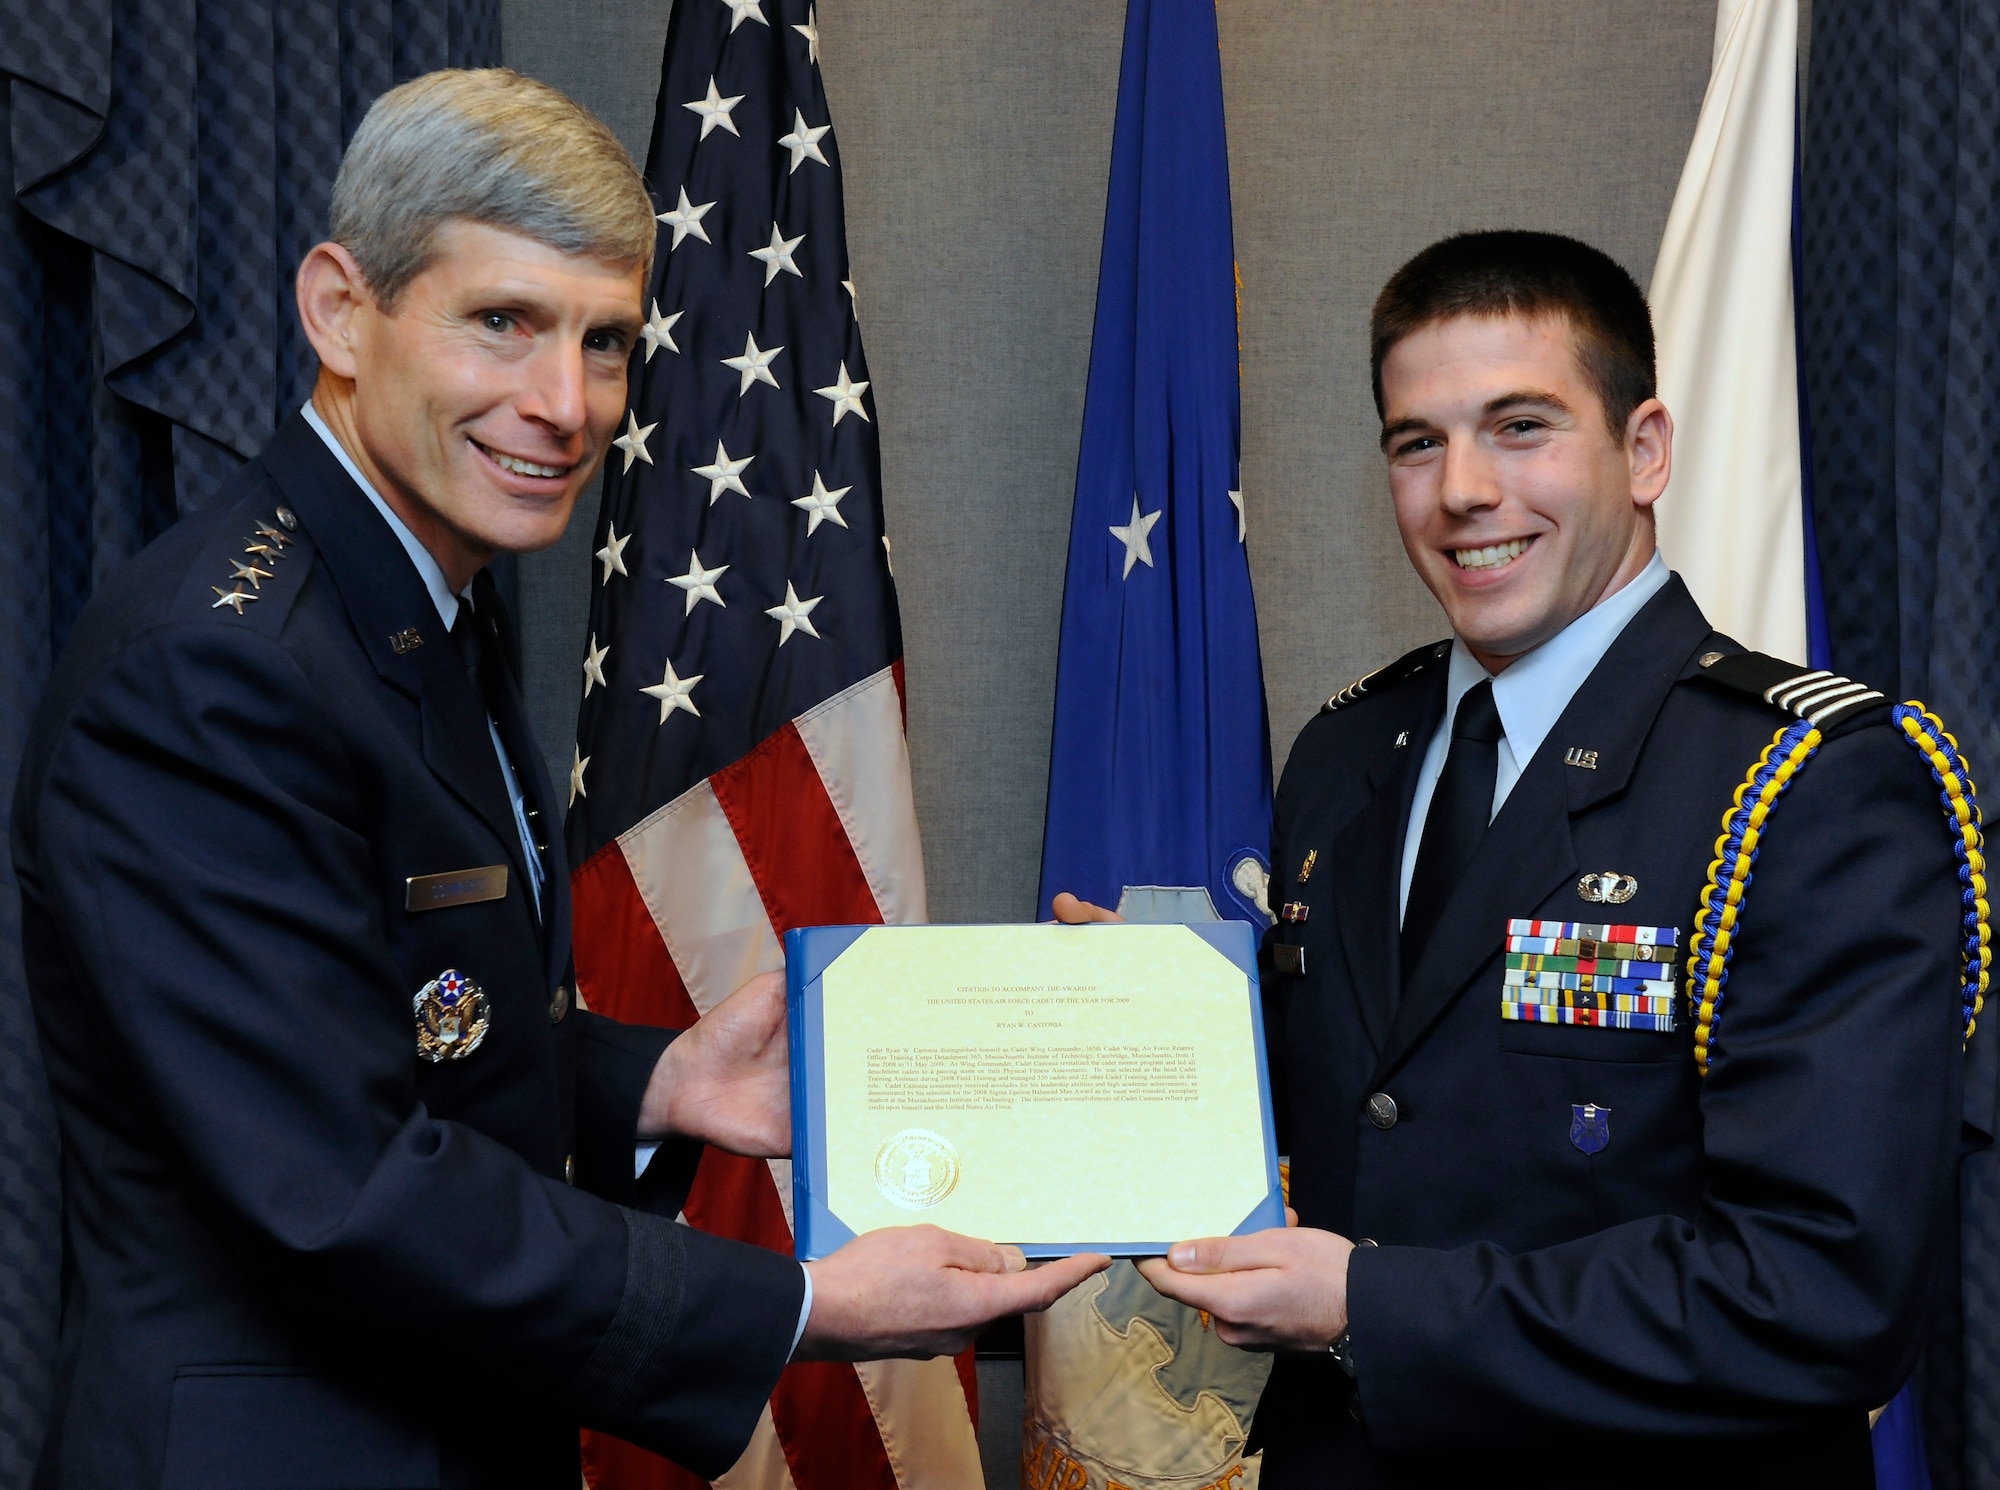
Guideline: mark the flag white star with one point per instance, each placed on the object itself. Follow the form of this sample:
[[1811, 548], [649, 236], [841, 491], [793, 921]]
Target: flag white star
[[810, 31], [685, 219], [699, 583], [779, 255], [823, 506], [593, 666], [725, 474], [846, 396], [889, 555], [672, 691], [613, 552], [853, 298], [1236, 498], [659, 331], [633, 441], [714, 111], [791, 616], [803, 142], [1138, 548], [576, 789], [745, 10], [755, 366]]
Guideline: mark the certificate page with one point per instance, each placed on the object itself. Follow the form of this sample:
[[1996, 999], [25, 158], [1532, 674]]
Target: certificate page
[[1093, 1086]]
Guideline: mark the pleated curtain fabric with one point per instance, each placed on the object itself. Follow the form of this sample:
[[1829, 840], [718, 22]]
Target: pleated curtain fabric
[[168, 163], [1900, 350]]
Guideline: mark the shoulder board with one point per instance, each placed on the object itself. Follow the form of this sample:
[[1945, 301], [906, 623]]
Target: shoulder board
[[1406, 666], [1821, 698]]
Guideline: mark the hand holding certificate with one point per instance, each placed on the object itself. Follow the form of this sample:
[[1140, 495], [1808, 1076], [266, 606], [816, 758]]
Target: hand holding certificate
[[1065, 1089]]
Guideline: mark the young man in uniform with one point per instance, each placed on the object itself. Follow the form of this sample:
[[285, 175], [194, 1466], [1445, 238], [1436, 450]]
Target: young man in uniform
[[1613, 1164], [348, 1174]]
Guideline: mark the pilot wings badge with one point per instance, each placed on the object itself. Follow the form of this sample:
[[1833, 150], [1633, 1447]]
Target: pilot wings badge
[[452, 1017]]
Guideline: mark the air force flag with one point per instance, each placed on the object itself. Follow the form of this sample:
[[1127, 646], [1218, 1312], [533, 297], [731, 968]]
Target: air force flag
[[1160, 777], [1161, 764]]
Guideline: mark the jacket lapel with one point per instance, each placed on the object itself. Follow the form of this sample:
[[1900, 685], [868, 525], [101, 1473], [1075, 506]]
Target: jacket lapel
[[1367, 865], [387, 602], [510, 714], [1527, 853]]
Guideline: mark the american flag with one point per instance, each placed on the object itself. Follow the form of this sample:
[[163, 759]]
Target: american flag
[[740, 766]]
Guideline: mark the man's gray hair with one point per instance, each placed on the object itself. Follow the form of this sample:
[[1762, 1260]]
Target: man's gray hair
[[486, 146]]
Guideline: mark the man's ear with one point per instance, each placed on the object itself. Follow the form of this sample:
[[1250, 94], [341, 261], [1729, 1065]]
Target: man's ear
[[1649, 448], [332, 294]]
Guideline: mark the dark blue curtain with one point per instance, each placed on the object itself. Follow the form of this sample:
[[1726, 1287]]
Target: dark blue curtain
[[1899, 299], [169, 164]]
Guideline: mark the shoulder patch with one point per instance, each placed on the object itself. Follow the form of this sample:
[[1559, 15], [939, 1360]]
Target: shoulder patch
[[1821, 698], [1406, 666]]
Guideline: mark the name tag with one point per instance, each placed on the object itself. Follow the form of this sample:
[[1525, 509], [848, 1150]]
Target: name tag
[[1604, 975], [433, 892]]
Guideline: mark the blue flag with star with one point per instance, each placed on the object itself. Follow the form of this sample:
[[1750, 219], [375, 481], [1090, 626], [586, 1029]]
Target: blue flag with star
[[1160, 770]]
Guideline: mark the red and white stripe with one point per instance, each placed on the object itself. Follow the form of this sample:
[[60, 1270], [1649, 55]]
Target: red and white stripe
[[814, 827]]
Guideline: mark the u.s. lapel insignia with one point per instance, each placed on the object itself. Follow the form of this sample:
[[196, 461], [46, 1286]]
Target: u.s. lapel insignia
[[452, 1017], [1584, 760], [1590, 1126], [1607, 888]]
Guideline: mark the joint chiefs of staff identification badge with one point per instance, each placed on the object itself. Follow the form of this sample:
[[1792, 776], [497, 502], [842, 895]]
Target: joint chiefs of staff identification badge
[[452, 1017], [1590, 1126]]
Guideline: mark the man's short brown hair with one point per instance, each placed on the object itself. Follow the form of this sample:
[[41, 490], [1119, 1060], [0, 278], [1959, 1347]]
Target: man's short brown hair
[[1514, 273]]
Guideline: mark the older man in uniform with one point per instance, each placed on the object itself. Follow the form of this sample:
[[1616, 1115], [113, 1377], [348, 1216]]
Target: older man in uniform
[[1614, 1164], [349, 1176]]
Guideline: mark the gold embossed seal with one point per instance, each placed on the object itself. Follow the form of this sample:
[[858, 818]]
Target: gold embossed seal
[[916, 1169]]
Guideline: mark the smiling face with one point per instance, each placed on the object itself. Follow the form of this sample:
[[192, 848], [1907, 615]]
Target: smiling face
[[480, 404], [1516, 504]]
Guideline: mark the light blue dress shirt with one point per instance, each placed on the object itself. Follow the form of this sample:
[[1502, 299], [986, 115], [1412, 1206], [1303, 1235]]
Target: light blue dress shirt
[[1530, 696], [432, 574]]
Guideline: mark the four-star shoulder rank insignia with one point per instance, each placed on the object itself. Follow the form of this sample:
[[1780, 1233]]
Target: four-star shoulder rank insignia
[[266, 547]]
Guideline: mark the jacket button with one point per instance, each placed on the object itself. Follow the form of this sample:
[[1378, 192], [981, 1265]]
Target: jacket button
[[559, 1005], [569, 1169], [1382, 1111]]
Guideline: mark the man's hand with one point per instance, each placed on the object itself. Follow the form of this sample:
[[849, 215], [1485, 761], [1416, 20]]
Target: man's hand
[[728, 1080], [1073, 912], [1282, 1289], [917, 1291]]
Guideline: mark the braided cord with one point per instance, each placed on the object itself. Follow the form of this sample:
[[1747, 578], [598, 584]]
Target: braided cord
[[1924, 730], [1729, 876]]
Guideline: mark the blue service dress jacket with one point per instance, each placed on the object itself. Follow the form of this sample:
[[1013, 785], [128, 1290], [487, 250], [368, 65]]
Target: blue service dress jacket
[[1593, 1265], [298, 1252]]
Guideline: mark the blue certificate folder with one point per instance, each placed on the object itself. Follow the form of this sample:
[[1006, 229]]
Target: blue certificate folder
[[818, 1229]]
